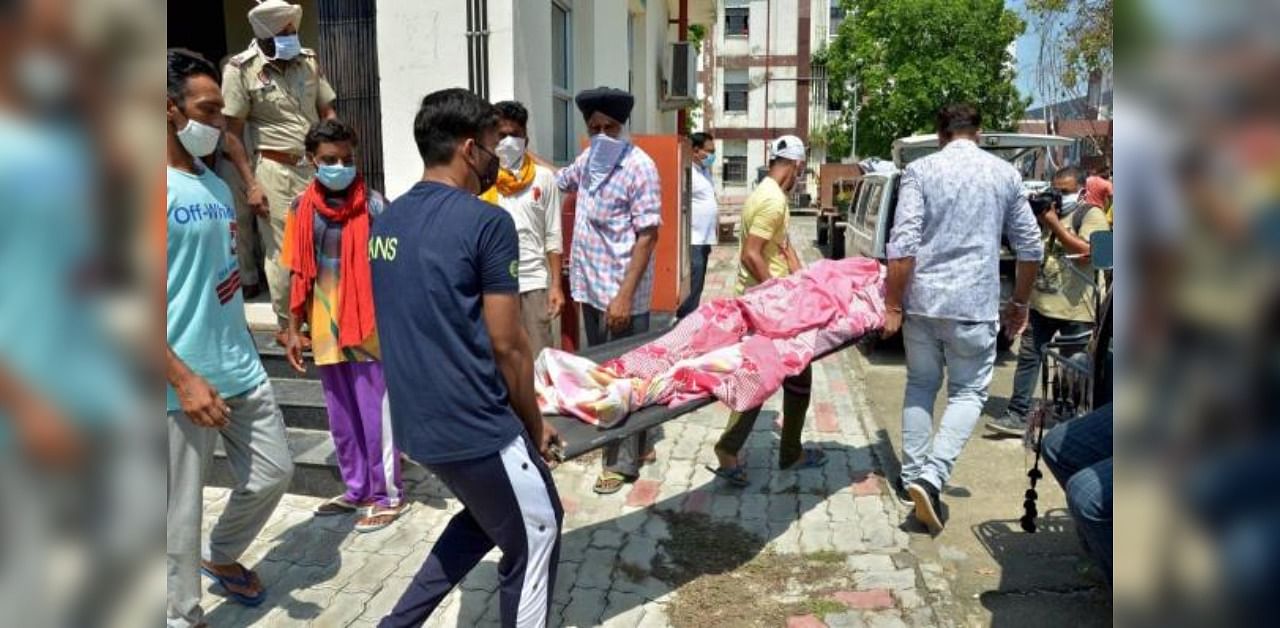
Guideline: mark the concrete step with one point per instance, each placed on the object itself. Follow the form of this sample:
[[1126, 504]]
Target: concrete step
[[315, 464], [316, 472], [274, 360], [302, 402]]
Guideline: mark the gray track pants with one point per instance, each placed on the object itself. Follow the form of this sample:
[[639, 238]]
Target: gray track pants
[[259, 458]]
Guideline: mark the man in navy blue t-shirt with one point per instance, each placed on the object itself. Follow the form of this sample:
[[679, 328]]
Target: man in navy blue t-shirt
[[458, 366]]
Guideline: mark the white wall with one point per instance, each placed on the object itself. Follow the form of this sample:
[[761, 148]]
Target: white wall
[[531, 79], [652, 34], [421, 48]]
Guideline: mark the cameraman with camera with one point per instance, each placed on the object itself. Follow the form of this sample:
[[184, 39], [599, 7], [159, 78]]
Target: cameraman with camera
[[1062, 299]]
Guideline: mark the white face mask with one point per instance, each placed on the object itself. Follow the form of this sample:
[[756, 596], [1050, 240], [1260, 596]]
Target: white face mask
[[199, 138], [606, 153], [511, 152], [1070, 199]]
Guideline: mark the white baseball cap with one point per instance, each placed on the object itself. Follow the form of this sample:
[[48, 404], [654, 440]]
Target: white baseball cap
[[787, 147]]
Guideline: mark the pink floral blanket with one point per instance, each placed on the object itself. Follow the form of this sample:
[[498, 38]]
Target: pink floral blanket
[[735, 349]]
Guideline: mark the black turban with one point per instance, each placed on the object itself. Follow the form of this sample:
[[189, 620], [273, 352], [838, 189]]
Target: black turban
[[614, 103]]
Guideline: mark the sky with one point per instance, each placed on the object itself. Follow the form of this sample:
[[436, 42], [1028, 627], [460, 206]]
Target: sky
[[1028, 46]]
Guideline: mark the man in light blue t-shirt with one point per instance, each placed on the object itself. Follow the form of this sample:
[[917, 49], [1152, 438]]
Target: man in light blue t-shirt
[[216, 383]]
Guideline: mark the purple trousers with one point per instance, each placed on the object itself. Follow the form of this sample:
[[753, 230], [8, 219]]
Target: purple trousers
[[360, 423]]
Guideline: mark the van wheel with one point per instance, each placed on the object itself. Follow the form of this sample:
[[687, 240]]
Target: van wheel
[[836, 239]]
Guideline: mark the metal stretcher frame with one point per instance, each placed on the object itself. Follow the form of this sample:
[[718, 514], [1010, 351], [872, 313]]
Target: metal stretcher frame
[[581, 438]]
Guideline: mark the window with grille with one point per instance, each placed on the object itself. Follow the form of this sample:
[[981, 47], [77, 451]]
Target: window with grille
[[736, 88], [736, 21], [735, 170]]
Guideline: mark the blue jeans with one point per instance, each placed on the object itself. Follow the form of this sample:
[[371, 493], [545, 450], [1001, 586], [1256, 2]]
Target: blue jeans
[[623, 457], [1040, 330], [701, 253], [967, 353], [1079, 454]]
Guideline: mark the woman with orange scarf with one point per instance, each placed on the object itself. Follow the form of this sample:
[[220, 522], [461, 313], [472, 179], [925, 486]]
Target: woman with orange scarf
[[326, 249]]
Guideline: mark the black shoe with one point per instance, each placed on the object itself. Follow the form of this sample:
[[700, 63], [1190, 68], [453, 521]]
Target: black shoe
[[900, 491], [928, 507], [1009, 424]]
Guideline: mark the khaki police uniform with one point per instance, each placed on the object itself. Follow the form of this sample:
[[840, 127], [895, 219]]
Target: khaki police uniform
[[245, 242], [280, 103]]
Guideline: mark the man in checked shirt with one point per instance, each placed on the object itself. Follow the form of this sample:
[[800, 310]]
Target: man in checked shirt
[[944, 293], [619, 209]]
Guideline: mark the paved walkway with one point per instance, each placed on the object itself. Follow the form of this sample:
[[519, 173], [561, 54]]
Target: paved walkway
[[617, 565]]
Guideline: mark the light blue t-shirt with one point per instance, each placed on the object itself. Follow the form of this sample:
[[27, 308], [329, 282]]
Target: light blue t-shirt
[[206, 324]]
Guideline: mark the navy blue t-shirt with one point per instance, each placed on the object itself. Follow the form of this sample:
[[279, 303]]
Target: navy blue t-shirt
[[434, 253]]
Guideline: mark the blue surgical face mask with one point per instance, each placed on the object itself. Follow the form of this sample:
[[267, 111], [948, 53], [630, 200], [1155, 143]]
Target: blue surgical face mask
[[336, 177], [287, 47], [708, 160]]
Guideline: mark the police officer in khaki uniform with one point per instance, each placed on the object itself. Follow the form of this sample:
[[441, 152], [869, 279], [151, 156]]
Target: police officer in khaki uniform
[[276, 86]]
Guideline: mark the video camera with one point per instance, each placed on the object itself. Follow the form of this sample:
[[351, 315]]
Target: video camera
[[1042, 202]]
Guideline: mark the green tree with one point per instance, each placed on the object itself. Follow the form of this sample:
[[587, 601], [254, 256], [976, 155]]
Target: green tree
[[1077, 37], [903, 59]]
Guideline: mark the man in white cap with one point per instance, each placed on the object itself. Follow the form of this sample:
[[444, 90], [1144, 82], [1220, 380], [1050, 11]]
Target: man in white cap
[[766, 253], [276, 86]]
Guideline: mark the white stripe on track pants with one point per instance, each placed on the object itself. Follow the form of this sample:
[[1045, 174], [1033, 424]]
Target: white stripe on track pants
[[492, 489]]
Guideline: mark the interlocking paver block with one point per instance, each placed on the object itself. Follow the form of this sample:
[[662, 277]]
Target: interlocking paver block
[[596, 571], [643, 493], [639, 551], [783, 507], [343, 610], [897, 579], [873, 599], [804, 621], [725, 506], [697, 502], [863, 563], [607, 537], [850, 619], [585, 608]]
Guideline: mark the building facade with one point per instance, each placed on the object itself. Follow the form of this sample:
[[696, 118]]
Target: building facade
[[760, 83], [382, 57], [539, 52]]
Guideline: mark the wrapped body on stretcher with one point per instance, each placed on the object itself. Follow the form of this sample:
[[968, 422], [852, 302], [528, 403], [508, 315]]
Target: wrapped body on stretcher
[[737, 350]]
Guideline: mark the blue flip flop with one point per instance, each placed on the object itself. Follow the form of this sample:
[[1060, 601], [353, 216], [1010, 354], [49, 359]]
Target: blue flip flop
[[736, 476], [812, 459], [242, 581]]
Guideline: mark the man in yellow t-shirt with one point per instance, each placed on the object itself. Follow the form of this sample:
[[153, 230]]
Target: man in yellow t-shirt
[[765, 252], [764, 249]]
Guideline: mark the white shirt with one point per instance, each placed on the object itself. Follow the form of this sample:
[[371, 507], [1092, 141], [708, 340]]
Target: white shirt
[[536, 211], [705, 222], [953, 206]]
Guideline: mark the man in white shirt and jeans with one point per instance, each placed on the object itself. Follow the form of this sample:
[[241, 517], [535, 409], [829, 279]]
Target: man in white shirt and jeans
[[943, 292], [705, 220], [527, 190]]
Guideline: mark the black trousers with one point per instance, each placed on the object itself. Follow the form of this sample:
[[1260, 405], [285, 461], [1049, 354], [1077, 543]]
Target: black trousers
[[510, 501]]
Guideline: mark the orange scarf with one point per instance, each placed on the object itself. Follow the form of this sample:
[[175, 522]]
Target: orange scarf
[[355, 285], [509, 183]]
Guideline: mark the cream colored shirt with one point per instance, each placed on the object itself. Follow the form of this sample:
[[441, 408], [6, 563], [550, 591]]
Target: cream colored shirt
[[279, 102], [536, 212]]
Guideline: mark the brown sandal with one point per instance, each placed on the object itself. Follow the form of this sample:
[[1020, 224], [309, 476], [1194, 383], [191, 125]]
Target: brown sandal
[[610, 482]]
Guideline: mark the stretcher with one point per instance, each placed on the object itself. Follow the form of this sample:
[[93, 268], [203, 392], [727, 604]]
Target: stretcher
[[580, 438]]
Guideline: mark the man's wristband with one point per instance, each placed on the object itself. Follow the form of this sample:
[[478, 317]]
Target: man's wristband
[[894, 308], [1021, 306]]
